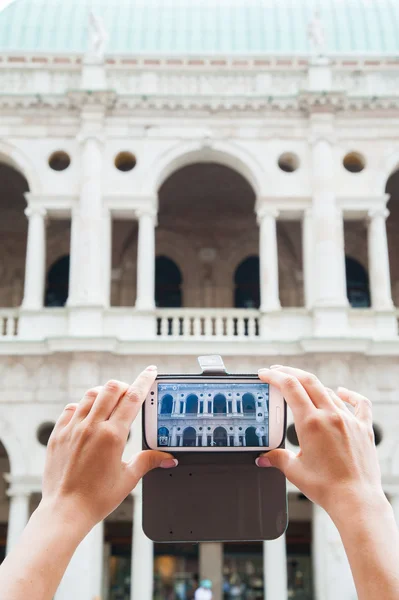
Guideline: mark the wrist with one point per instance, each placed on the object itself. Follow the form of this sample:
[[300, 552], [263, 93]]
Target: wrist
[[358, 505], [66, 517]]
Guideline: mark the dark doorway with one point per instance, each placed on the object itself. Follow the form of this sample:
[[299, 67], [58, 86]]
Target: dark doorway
[[357, 284], [167, 405], [57, 289], [219, 405], [220, 437], [247, 284], [192, 404], [168, 281], [251, 439], [248, 402], [189, 437]]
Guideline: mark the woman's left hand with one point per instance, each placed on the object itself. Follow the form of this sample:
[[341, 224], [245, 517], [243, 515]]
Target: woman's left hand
[[85, 475]]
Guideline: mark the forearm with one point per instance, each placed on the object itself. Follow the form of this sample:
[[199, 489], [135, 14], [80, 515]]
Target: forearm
[[35, 567], [371, 540]]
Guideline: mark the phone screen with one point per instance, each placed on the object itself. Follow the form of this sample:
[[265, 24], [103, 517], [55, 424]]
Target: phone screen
[[213, 414]]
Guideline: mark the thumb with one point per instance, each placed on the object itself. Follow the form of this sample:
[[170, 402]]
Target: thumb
[[148, 460], [283, 460]]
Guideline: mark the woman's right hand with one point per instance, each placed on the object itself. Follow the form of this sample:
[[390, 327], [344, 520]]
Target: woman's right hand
[[337, 461]]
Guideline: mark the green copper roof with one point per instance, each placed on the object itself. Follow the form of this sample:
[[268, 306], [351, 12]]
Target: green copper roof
[[202, 26]]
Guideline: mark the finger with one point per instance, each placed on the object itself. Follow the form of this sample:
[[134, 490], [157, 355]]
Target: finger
[[315, 389], [146, 461], [107, 400], [337, 400], [294, 393], [65, 417], [85, 405], [132, 400], [361, 404], [284, 460]]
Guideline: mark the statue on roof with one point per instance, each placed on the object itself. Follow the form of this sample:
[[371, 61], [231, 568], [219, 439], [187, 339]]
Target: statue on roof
[[98, 38], [316, 35]]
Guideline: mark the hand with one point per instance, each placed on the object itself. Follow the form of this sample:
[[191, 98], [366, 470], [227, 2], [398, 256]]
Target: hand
[[337, 460], [84, 474]]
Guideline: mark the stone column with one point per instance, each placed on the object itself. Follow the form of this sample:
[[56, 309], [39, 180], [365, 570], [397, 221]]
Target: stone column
[[142, 555], [146, 260], [275, 569], [380, 279], [328, 249], [211, 566], [332, 575], [87, 285], [18, 515], [268, 257], [35, 266], [83, 578], [308, 257]]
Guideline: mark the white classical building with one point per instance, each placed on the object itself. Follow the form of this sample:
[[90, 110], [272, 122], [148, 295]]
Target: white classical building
[[182, 177]]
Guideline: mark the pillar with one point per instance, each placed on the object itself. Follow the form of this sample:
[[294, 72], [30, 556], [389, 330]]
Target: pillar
[[87, 281], [146, 261], [380, 279], [83, 578], [275, 569], [18, 516], [328, 248], [268, 257], [308, 257], [35, 265], [332, 575], [211, 566], [142, 555]]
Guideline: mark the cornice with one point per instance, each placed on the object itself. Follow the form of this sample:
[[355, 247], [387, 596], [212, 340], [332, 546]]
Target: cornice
[[304, 103]]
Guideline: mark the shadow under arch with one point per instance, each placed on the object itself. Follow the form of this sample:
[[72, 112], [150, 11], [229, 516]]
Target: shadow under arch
[[226, 154], [14, 157]]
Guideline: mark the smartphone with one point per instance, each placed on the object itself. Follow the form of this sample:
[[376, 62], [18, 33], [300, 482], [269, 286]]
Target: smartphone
[[226, 414]]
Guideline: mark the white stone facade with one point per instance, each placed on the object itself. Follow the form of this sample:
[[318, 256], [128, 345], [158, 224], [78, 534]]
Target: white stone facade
[[227, 122]]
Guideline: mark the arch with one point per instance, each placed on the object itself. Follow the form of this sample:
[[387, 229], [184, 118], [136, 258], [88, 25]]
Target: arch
[[224, 153], [389, 166], [17, 455], [357, 283], [57, 287], [248, 404], [189, 437], [163, 436], [166, 404], [168, 281], [14, 157], [192, 404], [251, 439], [247, 283], [220, 437], [219, 405]]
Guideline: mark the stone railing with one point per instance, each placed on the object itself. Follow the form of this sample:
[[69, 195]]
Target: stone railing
[[9, 322], [207, 323]]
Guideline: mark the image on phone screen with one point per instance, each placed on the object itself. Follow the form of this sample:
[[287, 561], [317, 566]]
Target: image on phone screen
[[213, 414]]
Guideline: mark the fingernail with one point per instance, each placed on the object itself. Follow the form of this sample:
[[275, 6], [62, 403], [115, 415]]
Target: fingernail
[[263, 370], [152, 368], [70, 407], [276, 366], [263, 461], [169, 463]]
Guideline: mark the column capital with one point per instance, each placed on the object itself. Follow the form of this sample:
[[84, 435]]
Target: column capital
[[379, 212], [267, 211], [98, 136], [21, 485], [146, 211], [33, 210]]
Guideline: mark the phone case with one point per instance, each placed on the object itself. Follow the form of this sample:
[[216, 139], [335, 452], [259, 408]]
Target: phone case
[[214, 496]]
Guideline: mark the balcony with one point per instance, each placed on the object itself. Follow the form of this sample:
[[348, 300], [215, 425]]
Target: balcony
[[127, 330]]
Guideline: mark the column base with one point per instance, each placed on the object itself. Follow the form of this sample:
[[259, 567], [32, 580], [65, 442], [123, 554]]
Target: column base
[[386, 324], [330, 321], [85, 321]]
